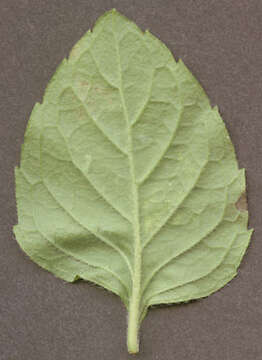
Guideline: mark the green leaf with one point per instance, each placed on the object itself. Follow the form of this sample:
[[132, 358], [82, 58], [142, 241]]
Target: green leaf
[[128, 177]]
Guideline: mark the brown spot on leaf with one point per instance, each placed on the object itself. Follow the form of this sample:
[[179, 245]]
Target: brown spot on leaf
[[82, 113], [241, 203], [84, 83], [102, 91]]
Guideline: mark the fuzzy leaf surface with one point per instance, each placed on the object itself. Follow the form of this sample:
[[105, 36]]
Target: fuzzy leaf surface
[[128, 177]]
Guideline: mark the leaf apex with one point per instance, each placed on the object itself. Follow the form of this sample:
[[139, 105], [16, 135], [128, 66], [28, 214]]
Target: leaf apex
[[108, 14], [111, 12]]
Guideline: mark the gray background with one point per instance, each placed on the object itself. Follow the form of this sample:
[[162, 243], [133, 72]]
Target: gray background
[[44, 318]]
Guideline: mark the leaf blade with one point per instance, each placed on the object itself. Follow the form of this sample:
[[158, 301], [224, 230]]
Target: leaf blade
[[128, 177]]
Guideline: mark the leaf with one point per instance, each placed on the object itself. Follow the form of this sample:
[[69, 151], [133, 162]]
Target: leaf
[[128, 177]]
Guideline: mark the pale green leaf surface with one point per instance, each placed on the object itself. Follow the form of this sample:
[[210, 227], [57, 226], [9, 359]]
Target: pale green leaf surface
[[128, 177]]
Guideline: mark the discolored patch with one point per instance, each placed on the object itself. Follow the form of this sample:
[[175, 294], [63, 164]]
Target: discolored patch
[[241, 203]]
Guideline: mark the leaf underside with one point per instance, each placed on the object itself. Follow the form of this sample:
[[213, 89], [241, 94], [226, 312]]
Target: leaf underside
[[128, 177]]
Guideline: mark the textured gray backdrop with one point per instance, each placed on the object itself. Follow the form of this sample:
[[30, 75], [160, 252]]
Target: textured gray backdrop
[[43, 318]]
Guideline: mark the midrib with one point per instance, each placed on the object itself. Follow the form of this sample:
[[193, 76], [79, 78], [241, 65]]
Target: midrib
[[134, 304]]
